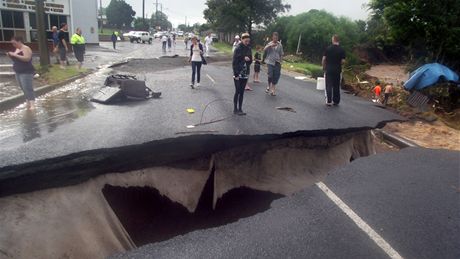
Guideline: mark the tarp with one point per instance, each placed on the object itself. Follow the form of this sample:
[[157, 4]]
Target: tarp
[[429, 75]]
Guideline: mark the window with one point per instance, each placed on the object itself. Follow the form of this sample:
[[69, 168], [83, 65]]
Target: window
[[13, 19], [8, 34], [33, 21], [1, 35], [56, 20]]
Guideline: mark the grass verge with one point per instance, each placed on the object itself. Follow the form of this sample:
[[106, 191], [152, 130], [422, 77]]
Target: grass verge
[[305, 68], [56, 75], [223, 47]]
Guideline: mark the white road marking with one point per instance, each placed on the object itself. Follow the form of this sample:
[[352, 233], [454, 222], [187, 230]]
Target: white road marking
[[210, 78], [360, 222]]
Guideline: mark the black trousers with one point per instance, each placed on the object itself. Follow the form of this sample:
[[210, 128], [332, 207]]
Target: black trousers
[[114, 44], [333, 80], [239, 94]]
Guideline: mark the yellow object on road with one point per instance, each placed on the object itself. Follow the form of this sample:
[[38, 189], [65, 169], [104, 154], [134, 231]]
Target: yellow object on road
[[190, 110]]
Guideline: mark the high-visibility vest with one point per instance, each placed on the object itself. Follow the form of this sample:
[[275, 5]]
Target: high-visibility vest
[[77, 39]]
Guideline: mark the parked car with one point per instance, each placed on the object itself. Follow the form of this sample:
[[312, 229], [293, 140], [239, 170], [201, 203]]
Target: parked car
[[158, 34], [141, 36], [127, 35], [180, 33], [214, 37]]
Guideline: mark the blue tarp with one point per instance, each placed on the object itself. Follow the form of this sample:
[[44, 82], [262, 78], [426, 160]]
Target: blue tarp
[[429, 75]]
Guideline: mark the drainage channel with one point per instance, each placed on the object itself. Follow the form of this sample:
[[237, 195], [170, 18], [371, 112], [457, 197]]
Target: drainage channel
[[115, 212]]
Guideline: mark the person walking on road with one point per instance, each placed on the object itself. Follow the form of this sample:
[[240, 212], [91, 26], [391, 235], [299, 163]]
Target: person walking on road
[[22, 66], [63, 48], [164, 42], [242, 59], [273, 56], [333, 59], [55, 44], [208, 43], [257, 60], [196, 58], [114, 40], [78, 45]]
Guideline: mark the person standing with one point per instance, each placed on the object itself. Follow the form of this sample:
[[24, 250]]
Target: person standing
[[55, 44], [196, 58], [169, 43], [114, 40], [164, 42], [236, 42], [242, 59], [377, 93], [22, 66], [208, 43], [257, 60], [388, 92], [333, 59], [273, 56], [63, 48], [78, 45]]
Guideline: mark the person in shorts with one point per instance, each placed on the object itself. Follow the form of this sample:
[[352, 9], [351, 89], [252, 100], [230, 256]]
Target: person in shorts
[[62, 45], [273, 56], [257, 60]]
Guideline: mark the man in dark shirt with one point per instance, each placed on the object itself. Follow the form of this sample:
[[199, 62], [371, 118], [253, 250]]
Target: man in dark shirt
[[63, 49], [333, 58]]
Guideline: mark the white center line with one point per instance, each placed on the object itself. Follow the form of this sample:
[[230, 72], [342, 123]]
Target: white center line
[[360, 222], [210, 78]]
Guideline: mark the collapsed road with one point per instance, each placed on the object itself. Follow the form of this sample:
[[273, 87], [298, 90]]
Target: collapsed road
[[126, 175]]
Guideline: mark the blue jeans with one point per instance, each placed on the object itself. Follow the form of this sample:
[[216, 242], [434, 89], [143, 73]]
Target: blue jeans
[[25, 81], [196, 69]]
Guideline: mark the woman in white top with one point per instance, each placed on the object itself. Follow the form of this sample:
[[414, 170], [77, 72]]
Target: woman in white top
[[196, 58]]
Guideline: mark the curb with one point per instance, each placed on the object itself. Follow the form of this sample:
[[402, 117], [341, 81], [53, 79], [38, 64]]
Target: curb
[[395, 140], [16, 100]]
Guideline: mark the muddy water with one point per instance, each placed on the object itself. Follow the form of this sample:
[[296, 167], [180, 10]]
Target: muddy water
[[61, 106]]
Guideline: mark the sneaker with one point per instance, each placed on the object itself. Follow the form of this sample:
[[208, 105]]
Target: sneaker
[[235, 112], [267, 90], [329, 104], [248, 88], [198, 84], [241, 113], [192, 86], [336, 104]]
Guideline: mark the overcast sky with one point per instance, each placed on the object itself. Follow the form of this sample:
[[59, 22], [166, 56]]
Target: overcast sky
[[177, 10]]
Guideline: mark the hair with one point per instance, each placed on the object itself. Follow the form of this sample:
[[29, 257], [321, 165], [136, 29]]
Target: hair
[[245, 36], [194, 37], [18, 39], [275, 34], [79, 29], [63, 25], [336, 38]]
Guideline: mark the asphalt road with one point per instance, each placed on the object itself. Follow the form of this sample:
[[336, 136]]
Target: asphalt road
[[104, 126], [410, 199]]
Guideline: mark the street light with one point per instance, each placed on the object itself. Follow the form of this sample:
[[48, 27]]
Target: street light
[[42, 39]]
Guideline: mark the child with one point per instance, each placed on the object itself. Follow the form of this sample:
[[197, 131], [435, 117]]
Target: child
[[257, 60], [377, 92], [388, 93]]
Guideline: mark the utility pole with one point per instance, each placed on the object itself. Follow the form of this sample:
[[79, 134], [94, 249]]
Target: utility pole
[[101, 14], [156, 14], [143, 11], [42, 40]]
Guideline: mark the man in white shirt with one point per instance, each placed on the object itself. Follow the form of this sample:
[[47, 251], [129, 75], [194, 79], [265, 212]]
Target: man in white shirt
[[236, 42], [207, 43], [164, 41]]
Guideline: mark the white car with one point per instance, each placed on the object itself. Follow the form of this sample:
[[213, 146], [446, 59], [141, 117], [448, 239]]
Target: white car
[[158, 35], [141, 36], [128, 34], [180, 33]]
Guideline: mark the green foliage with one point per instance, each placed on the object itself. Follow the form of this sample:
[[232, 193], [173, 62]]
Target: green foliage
[[160, 19], [316, 28], [429, 29], [120, 14], [141, 24], [241, 15]]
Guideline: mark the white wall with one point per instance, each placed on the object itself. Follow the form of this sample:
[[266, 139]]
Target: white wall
[[83, 14]]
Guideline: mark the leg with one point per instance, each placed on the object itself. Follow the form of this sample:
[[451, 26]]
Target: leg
[[26, 83], [276, 76], [198, 72], [243, 83], [336, 89], [329, 86], [193, 72], [236, 96], [62, 57], [385, 101], [270, 78]]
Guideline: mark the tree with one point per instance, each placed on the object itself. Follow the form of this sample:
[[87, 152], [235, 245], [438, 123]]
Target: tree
[[120, 14], [429, 29], [161, 19], [241, 15], [141, 24]]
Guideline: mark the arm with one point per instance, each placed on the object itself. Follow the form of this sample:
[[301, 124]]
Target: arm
[[281, 50], [237, 56], [324, 62], [27, 55], [64, 43]]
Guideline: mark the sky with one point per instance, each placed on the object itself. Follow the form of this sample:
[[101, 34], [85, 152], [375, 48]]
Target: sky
[[177, 10]]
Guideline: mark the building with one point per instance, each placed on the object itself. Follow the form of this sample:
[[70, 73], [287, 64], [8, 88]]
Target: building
[[17, 17]]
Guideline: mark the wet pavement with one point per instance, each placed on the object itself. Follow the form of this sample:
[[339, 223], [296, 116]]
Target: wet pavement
[[71, 101]]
